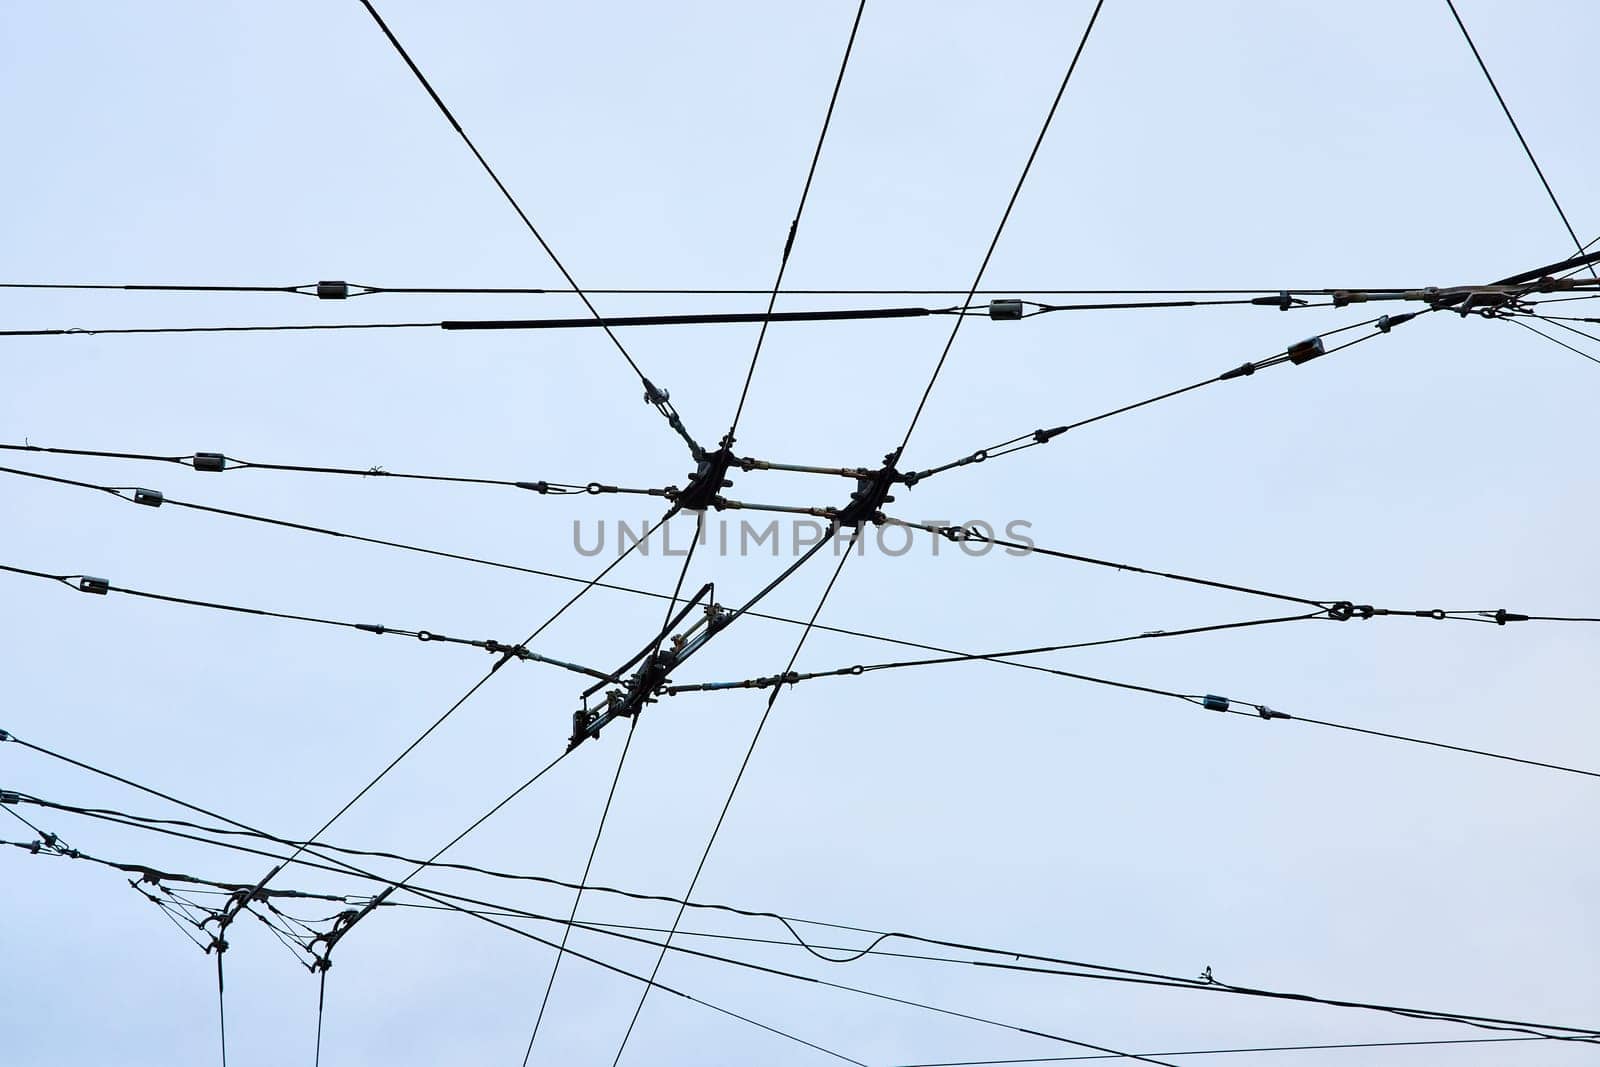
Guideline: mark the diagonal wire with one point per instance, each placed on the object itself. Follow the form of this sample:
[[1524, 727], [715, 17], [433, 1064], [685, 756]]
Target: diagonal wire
[[633, 724], [1554, 340], [465, 697], [1517, 130], [1004, 217], [505, 192], [794, 227], [833, 531]]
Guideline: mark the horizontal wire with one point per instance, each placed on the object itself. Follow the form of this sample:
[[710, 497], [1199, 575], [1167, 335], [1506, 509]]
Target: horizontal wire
[[1229, 1051], [1044, 436], [424, 636], [1111, 973], [223, 464]]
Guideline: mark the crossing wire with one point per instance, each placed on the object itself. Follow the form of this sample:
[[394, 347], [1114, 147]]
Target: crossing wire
[[437, 897], [1551, 193], [220, 463], [794, 226], [1205, 983], [594, 847], [1004, 217], [451, 710]]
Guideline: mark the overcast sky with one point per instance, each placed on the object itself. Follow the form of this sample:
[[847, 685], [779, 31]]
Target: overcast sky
[[1222, 145]]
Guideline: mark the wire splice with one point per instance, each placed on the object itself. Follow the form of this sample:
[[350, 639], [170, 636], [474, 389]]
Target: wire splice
[[707, 481], [1305, 351], [149, 497], [871, 493], [97, 586], [333, 290]]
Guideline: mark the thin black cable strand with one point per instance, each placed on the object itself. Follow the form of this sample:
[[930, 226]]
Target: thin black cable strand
[[794, 226], [1230, 1051], [666, 943], [505, 192], [322, 989], [1572, 329], [44, 838], [577, 897], [222, 1016], [1553, 340], [499, 565], [232, 464], [777, 972], [605, 812], [1441, 744], [833, 531], [436, 897], [971, 657], [1518, 131], [1114, 974], [1044, 436], [274, 328], [1004, 218], [605, 929], [963, 533], [506, 657], [370, 628], [308, 289]]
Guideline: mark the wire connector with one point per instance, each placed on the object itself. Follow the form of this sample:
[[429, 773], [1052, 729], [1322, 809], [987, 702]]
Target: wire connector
[[1005, 310], [1212, 702], [871, 493], [333, 290], [209, 461], [149, 497], [97, 586], [1304, 351], [707, 481]]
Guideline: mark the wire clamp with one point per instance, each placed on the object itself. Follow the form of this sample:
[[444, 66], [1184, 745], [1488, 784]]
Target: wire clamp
[[871, 493], [152, 498], [707, 481], [1212, 702]]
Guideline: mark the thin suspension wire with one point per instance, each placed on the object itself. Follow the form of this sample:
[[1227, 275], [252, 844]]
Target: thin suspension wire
[[504, 191], [424, 636], [594, 847], [1230, 1051], [794, 226], [1004, 217], [464, 698], [497, 564], [448, 900], [1553, 340], [1518, 131], [222, 1015], [1112, 973], [833, 531], [229, 463]]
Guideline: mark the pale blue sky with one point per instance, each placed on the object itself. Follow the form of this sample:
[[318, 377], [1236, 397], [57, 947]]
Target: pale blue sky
[[1213, 146]]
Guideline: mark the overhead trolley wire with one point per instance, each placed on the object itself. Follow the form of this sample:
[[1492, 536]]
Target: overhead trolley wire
[[1301, 352], [1009, 960], [102, 587], [1228, 1051], [794, 225], [655, 397], [437, 897], [309, 289], [216, 462], [1005, 216], [1520, 321], [600, 829], [451, 710], [1551, 193]]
